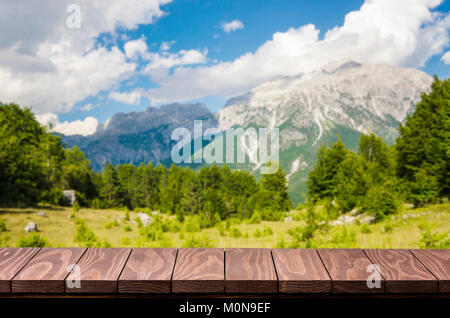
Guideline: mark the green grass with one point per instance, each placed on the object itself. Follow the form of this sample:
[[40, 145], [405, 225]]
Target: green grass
[[397, 231]]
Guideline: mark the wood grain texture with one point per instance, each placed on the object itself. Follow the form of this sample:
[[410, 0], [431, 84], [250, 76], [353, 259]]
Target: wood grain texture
[[348, 270], [250, 270], [300, 271], [403, 272], [100, 269], [199, 270], [148, 270], [438, 263], [12, 260], [47, 271]]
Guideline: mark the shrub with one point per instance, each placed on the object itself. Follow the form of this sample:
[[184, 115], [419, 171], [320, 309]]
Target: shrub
[[127, 228], [432, 239], [380, 201], [271, 215], [344, 238], [192, 224], [387, 228], [255, 219], [424, 189], [198, 241], [127, 216], [235, 233], [365, 229], [76, 206], [2, 226], [84, 235], [33, 240]]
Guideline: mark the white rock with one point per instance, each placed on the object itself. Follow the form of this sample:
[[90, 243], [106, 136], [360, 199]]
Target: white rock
[[287, 219], [344, 219], [41, 213], [31, 227], [145, 218]]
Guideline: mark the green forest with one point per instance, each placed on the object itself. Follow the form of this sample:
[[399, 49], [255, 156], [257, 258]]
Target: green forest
[[36, 167]]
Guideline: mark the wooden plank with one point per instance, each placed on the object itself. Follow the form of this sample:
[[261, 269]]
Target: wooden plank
[[402, 271], [11, 262], [438, 263], [148, 270], [300, 271], [47, 271], [199, 270], [99, 270], [250, 271], [348, 270]]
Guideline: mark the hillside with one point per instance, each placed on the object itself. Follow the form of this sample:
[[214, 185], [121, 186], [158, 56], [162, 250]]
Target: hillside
[[403, 230]]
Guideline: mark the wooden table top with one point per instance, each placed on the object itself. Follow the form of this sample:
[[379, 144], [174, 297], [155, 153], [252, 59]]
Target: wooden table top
[[234, 271]]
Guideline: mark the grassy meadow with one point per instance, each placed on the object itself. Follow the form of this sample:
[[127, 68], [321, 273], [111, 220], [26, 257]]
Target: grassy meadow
[[406, 229]]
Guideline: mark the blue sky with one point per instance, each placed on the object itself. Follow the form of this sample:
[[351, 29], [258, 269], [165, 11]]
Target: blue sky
[[181, 50]]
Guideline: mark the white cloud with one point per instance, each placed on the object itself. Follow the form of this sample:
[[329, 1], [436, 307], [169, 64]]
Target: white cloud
[[87, 107], [446, 58], [232, 26], [85, 127], [167, 60], [135, 48], [165, 46], [45, 64], [132, 98], [398, 32]]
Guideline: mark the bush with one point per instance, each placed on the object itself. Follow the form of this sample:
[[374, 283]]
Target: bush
[[380, 201], [84, 235], [235, 233], [33, 240], [432, 239], [192, 224], [365, 229], [387, 228], [271, 215], [198, 241], [76, 206], [267, 231], [255, 219], [2, 226], [127, 228], [424, 189], [344, 238]]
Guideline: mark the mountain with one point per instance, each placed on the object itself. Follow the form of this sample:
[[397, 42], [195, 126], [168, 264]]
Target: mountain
[[343, 98], [140, 136]]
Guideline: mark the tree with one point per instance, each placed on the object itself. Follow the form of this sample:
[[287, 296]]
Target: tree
[[424, 139], [273, 193], [322, 179], [30, 157], [111, 191]]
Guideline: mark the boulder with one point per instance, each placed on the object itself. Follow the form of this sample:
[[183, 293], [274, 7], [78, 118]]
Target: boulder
[[344, 219], [287, 219], [145, 218], [41, 213], [367, 219], [71, 197], [31, 227]]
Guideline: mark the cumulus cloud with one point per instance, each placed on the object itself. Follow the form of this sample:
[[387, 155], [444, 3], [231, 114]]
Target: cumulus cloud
[[85, 127], [165, 46], [398, 32], [446, 58], [50, 66], [232, 26], [132, 98]]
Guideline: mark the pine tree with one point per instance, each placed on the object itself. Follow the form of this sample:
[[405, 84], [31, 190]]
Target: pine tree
[[424, 140], [322, 179]]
